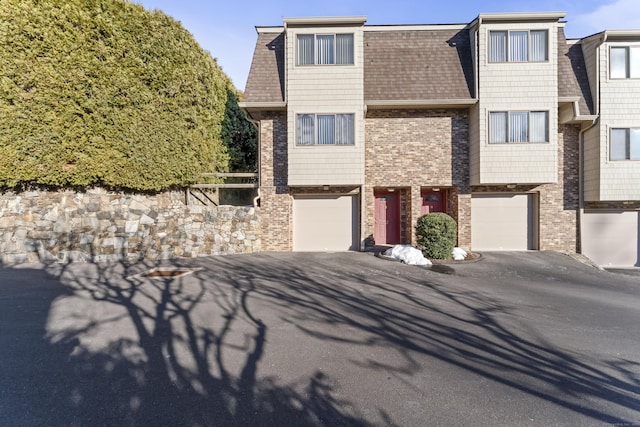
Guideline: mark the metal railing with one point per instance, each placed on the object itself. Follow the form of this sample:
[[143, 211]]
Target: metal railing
[[209, 194]]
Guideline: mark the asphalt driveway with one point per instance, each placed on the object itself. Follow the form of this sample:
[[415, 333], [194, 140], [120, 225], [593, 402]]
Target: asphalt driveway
[[320, 339]]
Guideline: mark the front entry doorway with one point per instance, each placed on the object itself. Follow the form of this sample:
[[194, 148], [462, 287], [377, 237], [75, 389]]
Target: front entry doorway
[[433, 201], [387, 217]]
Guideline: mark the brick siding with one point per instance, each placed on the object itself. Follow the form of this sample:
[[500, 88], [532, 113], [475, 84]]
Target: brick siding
[[558, 202], [276, 208], [414, 149]]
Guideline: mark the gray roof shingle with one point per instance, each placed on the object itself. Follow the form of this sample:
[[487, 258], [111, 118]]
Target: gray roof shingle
[[417, 65], [572, 74], [266, 76]]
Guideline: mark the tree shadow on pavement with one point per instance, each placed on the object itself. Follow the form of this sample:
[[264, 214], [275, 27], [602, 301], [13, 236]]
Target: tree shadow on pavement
[[86, 344], [102, 344], [415, 315]]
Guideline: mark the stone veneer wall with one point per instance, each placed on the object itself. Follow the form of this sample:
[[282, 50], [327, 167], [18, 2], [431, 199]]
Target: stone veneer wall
[[96, 225]]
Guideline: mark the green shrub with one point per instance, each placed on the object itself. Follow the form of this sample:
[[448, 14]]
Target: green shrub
[[436, 235], [104, 92]]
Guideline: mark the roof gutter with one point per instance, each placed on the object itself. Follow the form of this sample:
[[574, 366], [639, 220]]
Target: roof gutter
[[263, 106], [419, 103]]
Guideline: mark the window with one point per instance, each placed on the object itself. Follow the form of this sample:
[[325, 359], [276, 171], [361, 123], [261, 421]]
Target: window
[[624, 62], [518, 126], [325, 49], [325, 129], [625, 144], [518, 46]]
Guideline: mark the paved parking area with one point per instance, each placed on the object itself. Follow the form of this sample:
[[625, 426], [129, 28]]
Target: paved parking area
[[320, 339]]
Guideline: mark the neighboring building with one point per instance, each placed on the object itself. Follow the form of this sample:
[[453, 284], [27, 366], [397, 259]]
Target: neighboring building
[[530, 141]]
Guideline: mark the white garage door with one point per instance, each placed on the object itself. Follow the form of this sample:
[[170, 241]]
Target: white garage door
[[325, 223], [610, 238], [503, 222]]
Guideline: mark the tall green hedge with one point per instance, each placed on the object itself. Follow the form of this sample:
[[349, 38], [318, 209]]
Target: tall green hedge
[[104, 92]]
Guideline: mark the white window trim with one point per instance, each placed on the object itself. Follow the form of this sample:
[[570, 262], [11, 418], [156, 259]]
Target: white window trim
[[508, 51], [315, 50], [508, 123]]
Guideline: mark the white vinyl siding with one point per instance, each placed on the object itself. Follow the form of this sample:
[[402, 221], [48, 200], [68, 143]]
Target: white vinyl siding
[[325, 129], [624, 62], [325, 49], [625, 144], [518, 46], [518, 126]]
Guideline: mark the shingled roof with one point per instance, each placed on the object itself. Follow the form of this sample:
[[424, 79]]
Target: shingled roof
[[266, 76], [572, 74], [413, 64], [417, 65]]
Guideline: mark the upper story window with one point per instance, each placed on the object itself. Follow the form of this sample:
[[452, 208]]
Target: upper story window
[[324, 49], [624, 62], [325, 129], [625, 144], [518, 126], [518, 46]]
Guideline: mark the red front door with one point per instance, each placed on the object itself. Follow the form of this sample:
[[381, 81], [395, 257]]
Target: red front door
[[433, 201], [387, 218]]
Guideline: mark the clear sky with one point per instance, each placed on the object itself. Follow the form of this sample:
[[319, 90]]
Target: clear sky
[[226, 28]]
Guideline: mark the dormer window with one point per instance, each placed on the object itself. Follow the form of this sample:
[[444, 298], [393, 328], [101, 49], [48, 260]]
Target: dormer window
[[624, 62], [518, 46], [324, 49]]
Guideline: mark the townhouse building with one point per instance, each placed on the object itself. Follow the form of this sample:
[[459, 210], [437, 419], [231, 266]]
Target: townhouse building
[[528, 140]]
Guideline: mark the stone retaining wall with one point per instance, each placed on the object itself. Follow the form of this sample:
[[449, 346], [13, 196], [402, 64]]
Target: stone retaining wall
[[96, 225]]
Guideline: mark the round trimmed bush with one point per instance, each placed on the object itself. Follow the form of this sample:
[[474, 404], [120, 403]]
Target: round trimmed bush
[[436, 235]]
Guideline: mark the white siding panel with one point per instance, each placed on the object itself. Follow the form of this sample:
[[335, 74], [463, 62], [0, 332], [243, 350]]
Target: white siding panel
[[611, 238], [510, 86], [618, 180], [325, 89]]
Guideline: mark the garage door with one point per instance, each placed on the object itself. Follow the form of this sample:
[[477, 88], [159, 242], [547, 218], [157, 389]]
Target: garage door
[[326, 223], [503, 222], [610, 238]]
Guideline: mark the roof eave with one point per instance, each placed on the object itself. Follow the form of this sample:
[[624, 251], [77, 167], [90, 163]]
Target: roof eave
[[325, 20], [263, 106], [419, 103]]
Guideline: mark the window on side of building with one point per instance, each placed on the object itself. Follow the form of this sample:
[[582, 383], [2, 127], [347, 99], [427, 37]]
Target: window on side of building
[[325, 129], [624, 144], [324, 49], [518, 127]]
